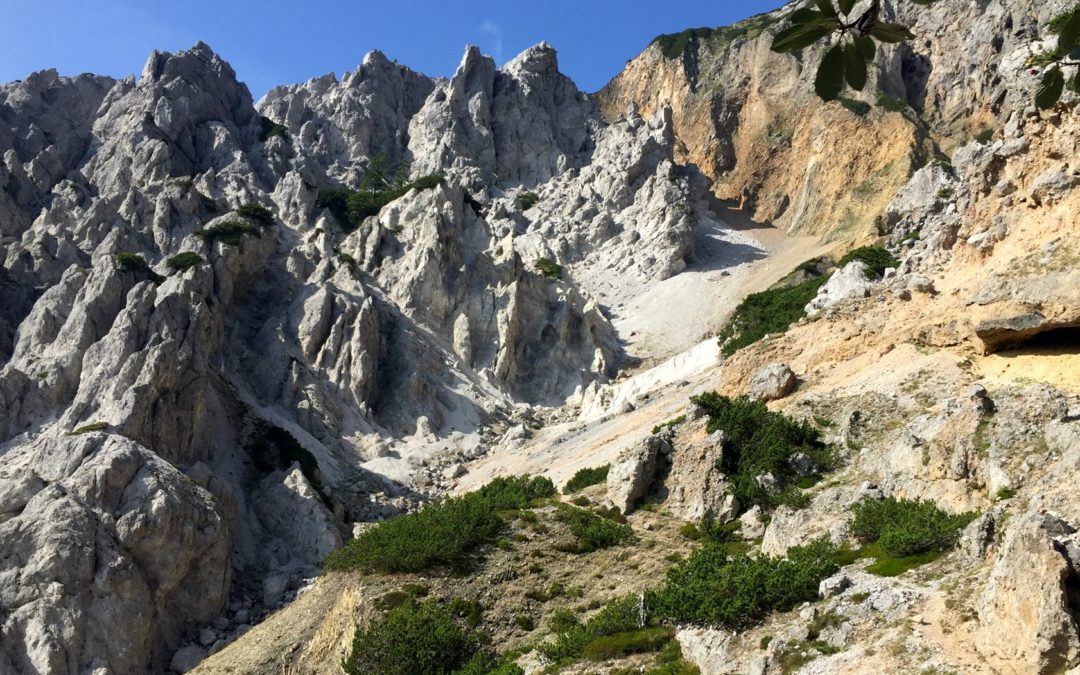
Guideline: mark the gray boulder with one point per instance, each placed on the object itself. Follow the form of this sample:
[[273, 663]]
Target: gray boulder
[[772, 382], [852, 282], [632, 474]]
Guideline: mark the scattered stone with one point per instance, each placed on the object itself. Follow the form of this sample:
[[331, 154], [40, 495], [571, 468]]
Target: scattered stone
[[772, 382], [187, 658]]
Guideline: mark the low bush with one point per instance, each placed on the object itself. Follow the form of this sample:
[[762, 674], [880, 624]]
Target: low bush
[[593, 532], [421, 639], [229, 232], [89, 428], [351, 207], [549, 268], [256, 212], [670, 424], [770, 312], [526, 200], [585, 478], [875, 258], [182, 262], [442, 534], [630, 642], [759, 441], [886, 102], [268, 129], [903, 528], [715, 588], [272, 448], [525, 623], [571, 636], [135, 265]]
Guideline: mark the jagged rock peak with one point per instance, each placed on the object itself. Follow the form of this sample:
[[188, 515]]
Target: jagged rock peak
[[540, 58]]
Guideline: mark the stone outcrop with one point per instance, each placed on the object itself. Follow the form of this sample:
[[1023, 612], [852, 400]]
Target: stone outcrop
[[696, 488], [631, 476], [1026, 615], [850, 283]]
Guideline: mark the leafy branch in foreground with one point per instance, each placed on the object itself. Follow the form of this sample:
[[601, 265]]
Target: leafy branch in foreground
[[846, 62]]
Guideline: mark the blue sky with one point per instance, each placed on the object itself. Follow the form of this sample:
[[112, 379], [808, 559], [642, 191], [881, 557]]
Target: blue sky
[[279, 42]]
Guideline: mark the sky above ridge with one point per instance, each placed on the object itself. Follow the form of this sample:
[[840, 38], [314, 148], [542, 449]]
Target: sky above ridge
[[274, 42]]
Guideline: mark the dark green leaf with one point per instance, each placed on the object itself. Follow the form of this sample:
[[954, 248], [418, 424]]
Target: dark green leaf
[[891, 32], [1069, 37], [826, 7], [805, 14], [846, 6], [803, 35], [854, 67], [866, 47], [1049, 91], [830, 75]]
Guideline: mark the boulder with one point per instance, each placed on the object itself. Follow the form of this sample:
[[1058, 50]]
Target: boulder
[[1026, 620], [772, 382], [696, 488], [851, 282], [632, 474]]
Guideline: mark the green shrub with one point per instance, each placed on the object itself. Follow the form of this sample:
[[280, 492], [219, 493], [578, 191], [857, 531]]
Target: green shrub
[[417, 639], [670, 424], [549, 268], [256, 212], [88, 428], [525, 623], [526, 200], [346, 259], [272, 448], [593, 531], [351, 207], [442, 534], [770, 312], [904, 528], [229, 232], [586, 477], [985, 136], [571, 636], [135, 265], [875, 258], [630, 642], [715, 588], [759, 441], [890, 104], [268, 129], [483, 663], [857, 108], [182, 262]]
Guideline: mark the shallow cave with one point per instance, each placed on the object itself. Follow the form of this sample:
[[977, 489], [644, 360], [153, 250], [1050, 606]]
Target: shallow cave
[[1054, 338]]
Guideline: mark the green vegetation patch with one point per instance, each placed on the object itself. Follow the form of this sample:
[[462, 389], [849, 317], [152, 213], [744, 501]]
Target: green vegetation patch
[[715, 588], [622, 615], [272, 448], [586, 477], [593, 531], [670, 424], [443, 534], [759, 441], [630, 642], [903, 528], [875, 258], [526, 200], [229, 232], [351, 207], [549, 268], [268, 129], [257, 213], [89, 428], [770, 312], [422, 639], [135, 265], [675, 45], [181, 262]]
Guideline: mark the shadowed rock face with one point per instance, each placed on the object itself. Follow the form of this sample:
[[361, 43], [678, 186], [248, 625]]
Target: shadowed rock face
[[427, 321]]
